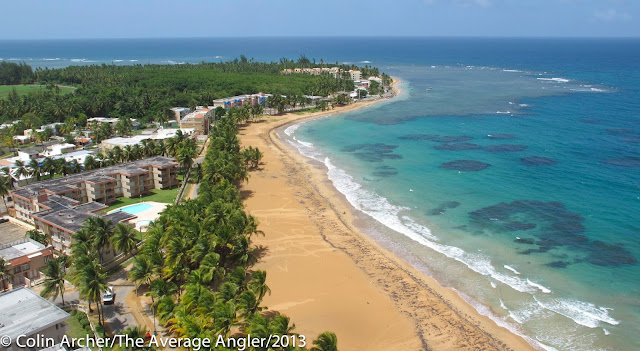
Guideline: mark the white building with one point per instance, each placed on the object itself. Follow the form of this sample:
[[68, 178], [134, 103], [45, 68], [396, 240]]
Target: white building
[[355, 75], [58, 149], [160, 134], [23, 312]]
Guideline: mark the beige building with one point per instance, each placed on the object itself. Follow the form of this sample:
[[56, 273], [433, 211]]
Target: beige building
[[198, 120], [26, 258], [24, 313], [102, 185], [355, 75]]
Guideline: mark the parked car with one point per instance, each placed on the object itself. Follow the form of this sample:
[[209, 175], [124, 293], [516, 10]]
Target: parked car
[[3, 220], [109, 296]]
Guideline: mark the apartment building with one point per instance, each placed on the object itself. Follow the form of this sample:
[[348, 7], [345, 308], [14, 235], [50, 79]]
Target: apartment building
[[26, 258], [198, 120], [102, 185], [241, 100], [23, 312], [180, 112], [61, 222]]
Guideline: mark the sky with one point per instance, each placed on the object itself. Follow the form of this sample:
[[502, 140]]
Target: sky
[[66, 19]]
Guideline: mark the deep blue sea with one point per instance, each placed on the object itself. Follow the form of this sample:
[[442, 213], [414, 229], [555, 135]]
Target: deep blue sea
[[508, 169]]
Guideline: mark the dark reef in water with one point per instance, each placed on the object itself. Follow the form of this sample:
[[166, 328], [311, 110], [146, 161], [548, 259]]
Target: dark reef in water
[[557, 264], [437, 138], [501, 136], [376, 152], [590, 121], [554, 226], [505, 148], [457, 146], [617, 131], [385, 171], [443, 208], [623, 161], [465, 165], [603, 254], [630, 139], [537, 160], [527, 241]]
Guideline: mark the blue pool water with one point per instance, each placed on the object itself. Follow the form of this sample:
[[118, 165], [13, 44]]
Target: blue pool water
[[135, 209]]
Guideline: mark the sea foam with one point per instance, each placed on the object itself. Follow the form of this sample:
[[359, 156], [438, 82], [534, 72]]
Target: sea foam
[[581, 312]]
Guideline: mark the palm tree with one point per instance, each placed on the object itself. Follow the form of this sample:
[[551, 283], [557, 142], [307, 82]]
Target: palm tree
[[35, 170], [49, 166], [5, 272], [21, 170], [90, 163], [55, 273], [5, 187], [93, 285], [101, 231], [326, 341], [142, 271], [124, 238]]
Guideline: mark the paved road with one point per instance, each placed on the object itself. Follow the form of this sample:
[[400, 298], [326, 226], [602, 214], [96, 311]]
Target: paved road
[[117, 316]]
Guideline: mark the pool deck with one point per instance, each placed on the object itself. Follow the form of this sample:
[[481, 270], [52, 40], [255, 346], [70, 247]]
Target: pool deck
[[146, 215]]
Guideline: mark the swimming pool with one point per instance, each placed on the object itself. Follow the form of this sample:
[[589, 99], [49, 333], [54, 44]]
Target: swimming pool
[[135, 209]]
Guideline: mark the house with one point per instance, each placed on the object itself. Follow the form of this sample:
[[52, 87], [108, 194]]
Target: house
[[180, 112], [23, 312], [58, 149], [26, 258], [22, 139]]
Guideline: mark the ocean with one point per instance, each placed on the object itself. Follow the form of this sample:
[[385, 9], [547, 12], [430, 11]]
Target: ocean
[[507, 169]]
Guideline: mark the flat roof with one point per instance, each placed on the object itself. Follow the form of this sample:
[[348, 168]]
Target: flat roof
[[69, 182], [18, 249], [23, 312]]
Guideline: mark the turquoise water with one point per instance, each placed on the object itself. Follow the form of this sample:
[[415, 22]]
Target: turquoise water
[[544, 235], [135, 209]]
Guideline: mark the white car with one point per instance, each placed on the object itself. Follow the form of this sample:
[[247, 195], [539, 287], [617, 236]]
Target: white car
[[109, 296]]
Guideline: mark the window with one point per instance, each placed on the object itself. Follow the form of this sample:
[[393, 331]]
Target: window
[[25, 267], [16, 270]]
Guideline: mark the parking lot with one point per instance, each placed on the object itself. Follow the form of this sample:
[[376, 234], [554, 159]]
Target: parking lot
[[10, 232]]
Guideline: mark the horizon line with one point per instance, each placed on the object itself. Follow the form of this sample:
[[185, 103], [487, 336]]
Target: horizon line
[[331, 37]]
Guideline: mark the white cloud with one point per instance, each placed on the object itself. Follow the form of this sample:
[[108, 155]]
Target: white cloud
[[611, 15]]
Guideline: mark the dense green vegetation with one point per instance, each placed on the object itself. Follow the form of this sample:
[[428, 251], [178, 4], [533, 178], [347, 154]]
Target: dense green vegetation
[[14, 73], [146, 92]]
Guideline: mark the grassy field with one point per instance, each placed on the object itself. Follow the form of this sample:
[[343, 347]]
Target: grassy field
[[25, 89], [165, 196]]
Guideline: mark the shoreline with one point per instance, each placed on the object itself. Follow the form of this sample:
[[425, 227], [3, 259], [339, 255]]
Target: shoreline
[[438, 317]]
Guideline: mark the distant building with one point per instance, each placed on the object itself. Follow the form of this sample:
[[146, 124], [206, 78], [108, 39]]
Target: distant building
[[180, 112], [23, 312], [160, 134], [355, 75], [198, 120], [241, 100], [58, 149], [112, 120], [26, 258]]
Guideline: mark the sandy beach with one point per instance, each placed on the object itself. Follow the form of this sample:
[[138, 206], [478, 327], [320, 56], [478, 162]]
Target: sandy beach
[[327, 275]]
